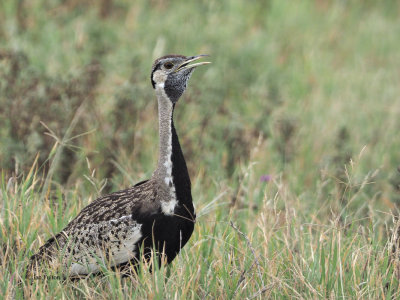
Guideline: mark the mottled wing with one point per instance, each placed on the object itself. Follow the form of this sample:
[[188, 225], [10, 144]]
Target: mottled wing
[[104, 232], [108, 243]]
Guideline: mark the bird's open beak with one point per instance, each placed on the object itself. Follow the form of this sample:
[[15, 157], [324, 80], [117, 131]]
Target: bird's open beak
[[185, 64]]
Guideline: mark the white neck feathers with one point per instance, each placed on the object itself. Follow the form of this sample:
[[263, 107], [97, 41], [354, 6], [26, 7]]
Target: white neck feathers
[[164, 168]]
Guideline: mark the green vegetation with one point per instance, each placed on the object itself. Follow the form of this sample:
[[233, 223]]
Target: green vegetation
[[306, 92]]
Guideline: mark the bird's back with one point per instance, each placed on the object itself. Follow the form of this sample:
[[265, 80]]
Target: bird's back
[[107, 230]]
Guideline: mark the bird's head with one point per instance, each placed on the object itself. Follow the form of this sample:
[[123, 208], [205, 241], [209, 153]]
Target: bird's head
[[172, 72]]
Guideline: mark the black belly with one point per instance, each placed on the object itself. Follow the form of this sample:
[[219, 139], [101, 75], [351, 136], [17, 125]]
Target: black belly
[[168, 234], [165, 234]]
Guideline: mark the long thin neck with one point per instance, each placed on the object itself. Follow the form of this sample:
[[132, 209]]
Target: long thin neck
[[180, 172], [165, 114], [171, 169]]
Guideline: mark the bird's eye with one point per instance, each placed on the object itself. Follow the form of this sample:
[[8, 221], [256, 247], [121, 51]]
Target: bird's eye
[[168, 65]]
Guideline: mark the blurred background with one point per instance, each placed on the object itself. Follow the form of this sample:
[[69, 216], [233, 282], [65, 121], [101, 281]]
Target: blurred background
[[304, 93]]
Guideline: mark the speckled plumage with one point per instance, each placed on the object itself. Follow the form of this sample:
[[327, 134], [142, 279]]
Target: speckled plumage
[[102, 229], [157, 213]]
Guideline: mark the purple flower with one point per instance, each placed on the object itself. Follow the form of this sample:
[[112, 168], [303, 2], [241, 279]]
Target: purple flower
[[265, 178]]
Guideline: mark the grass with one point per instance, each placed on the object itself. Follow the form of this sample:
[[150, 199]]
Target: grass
[[306, 92]]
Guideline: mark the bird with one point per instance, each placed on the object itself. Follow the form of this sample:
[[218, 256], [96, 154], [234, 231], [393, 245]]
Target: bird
[[157, 215]]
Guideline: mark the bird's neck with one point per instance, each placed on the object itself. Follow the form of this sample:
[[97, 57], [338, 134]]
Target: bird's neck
[[171, 171]]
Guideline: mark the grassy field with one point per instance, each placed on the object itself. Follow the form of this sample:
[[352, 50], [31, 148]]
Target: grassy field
[[291, 137]]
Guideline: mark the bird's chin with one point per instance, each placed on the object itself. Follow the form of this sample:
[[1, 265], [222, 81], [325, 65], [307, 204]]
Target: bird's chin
[[186, 72]]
